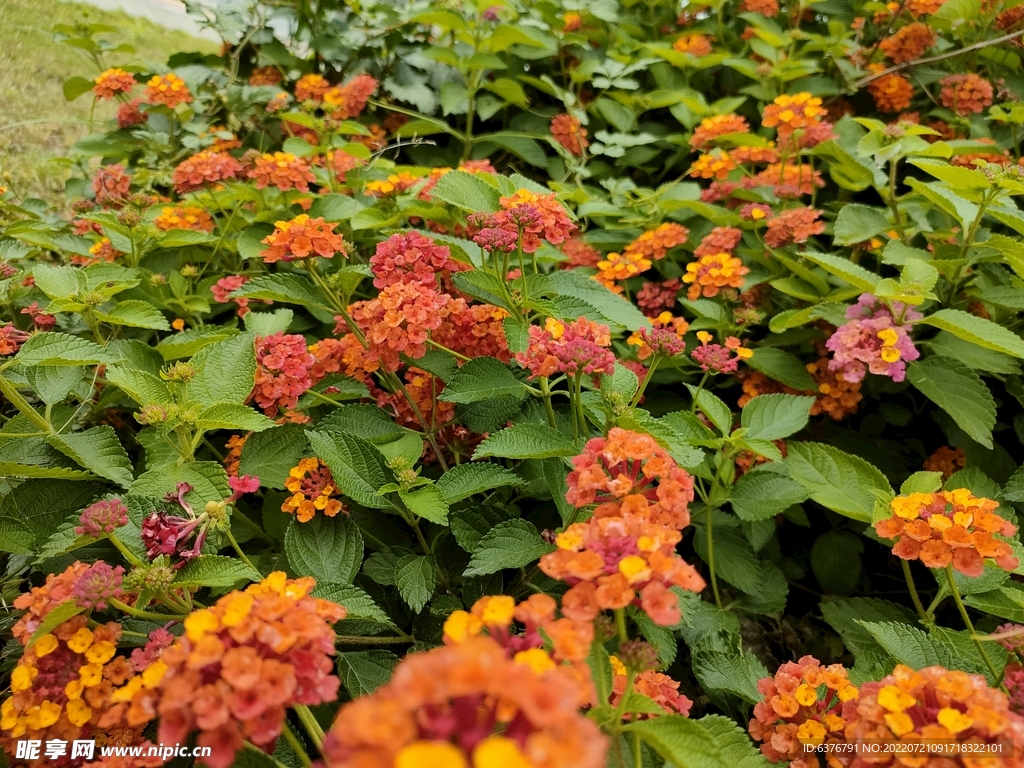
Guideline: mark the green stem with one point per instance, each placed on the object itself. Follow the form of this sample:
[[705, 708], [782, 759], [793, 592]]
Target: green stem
[[11, 393], [160, 618], [703, 381], [647, 378], [925, 618], [238, 550], [451, 352], [125, 552], [250, 747], [316, 733], [970, 627], [296, 745], [236, 515], [620, 625], [637, 755], [545, 392], [711, 557]]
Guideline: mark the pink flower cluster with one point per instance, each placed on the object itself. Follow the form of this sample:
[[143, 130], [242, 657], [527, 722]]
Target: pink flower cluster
[[101, 518], [283, 363], [873, 340], [411, 258], [578, 347], [97, 585]]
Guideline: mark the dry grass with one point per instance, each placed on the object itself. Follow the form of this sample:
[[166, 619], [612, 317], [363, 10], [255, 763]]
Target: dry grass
[[36, 122]]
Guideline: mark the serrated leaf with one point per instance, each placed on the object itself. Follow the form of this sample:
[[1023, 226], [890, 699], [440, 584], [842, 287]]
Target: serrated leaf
[[135, 314], [187, 343], [713, 407], [680, 741], [358, 604], [760, 494], [427, 502], [976, 330], [844, 269], [782, 366], [958, 391], [921, 482], [857, 223], [225, 371], [233, 416], [358, 468], [288, 289], [53, 383], [772, 417], [615, 308], [510, 544], [271, 454], [326, 548], [56, 348], [98, 450], [908, 645], [839, 481], [482, 378], [142, 387], [208, 479], [526, 441], [462, 481], [466, 191], [32, 511], [470, 525], [415, 578], [732, 673], [363, 672], [214, 571], [738, 751]]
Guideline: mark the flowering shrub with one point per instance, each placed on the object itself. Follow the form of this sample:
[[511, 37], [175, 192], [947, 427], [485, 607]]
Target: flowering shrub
[[538, 385]]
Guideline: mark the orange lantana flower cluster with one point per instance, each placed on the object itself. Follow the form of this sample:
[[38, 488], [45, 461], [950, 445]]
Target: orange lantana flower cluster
[[940, 705], [204, 168], [657, 686], [468, 704], [311, 87], [908, 43], [966, 94], [62, 685], [474, 330], [542, 217], [111, 82], [716, 126], [892, 92], [715, 164], [242, 662], [579, 347], [313, 489], [169, 90], [949, 528], [282, 170], [794, 225], [616, 267], [713, 271], [790, 113], [625, 553], [657, 242], [570, 133], [399, 320], [834, 395], [345, 355], [39, 601], [693, 43], [947, 461], [300, 238], [348, 100], [184, 217], [802, 704]]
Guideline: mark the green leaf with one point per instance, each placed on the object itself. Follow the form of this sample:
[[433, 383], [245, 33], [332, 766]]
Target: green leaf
[[326, 548], [56, 348], [760, 494], [269, 323], [358, 468], [142, 387], [482, 378], [680, 741], [845, 617], [208, 479], [836, 561], [466, 191], [271, 454], [187, 343], [427, 501], [510, 544], [367, 421], [54, 619], [58, 282], [526, 441], [782, 366], [482, 286], [857, 223], [976, 330], [33, 510], [909, 645], [470, 525], [415, 577], [233, 416], [738, 751], [958, 391], [288, 289], [844, 269], [921, 482], [1004, 602], [135, 314], [732, 673], [462, 481], [971, 355], [358, 604], [615, 308], [363, 672], [839, 481], [772, 417], [99, 451], [215, 571], [53, 384], [713, 407], [76, 86], [225, 371]]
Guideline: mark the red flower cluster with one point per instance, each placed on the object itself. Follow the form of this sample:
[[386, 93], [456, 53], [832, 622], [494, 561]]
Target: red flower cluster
[[282, 170], [300, 238], [398, 321], [625, 553], [718, 358], [577, 348], [467, 704], [802, 705], [949, 527], [570, 133], [665, 337], [655, 298], [282, 372], [204, 168], [966, 94], [111, 184], [242, 663], [101, 518]]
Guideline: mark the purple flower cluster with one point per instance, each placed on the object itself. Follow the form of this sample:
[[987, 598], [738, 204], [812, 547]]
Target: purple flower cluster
[[97, 584], [101, 518], [873, 340]]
